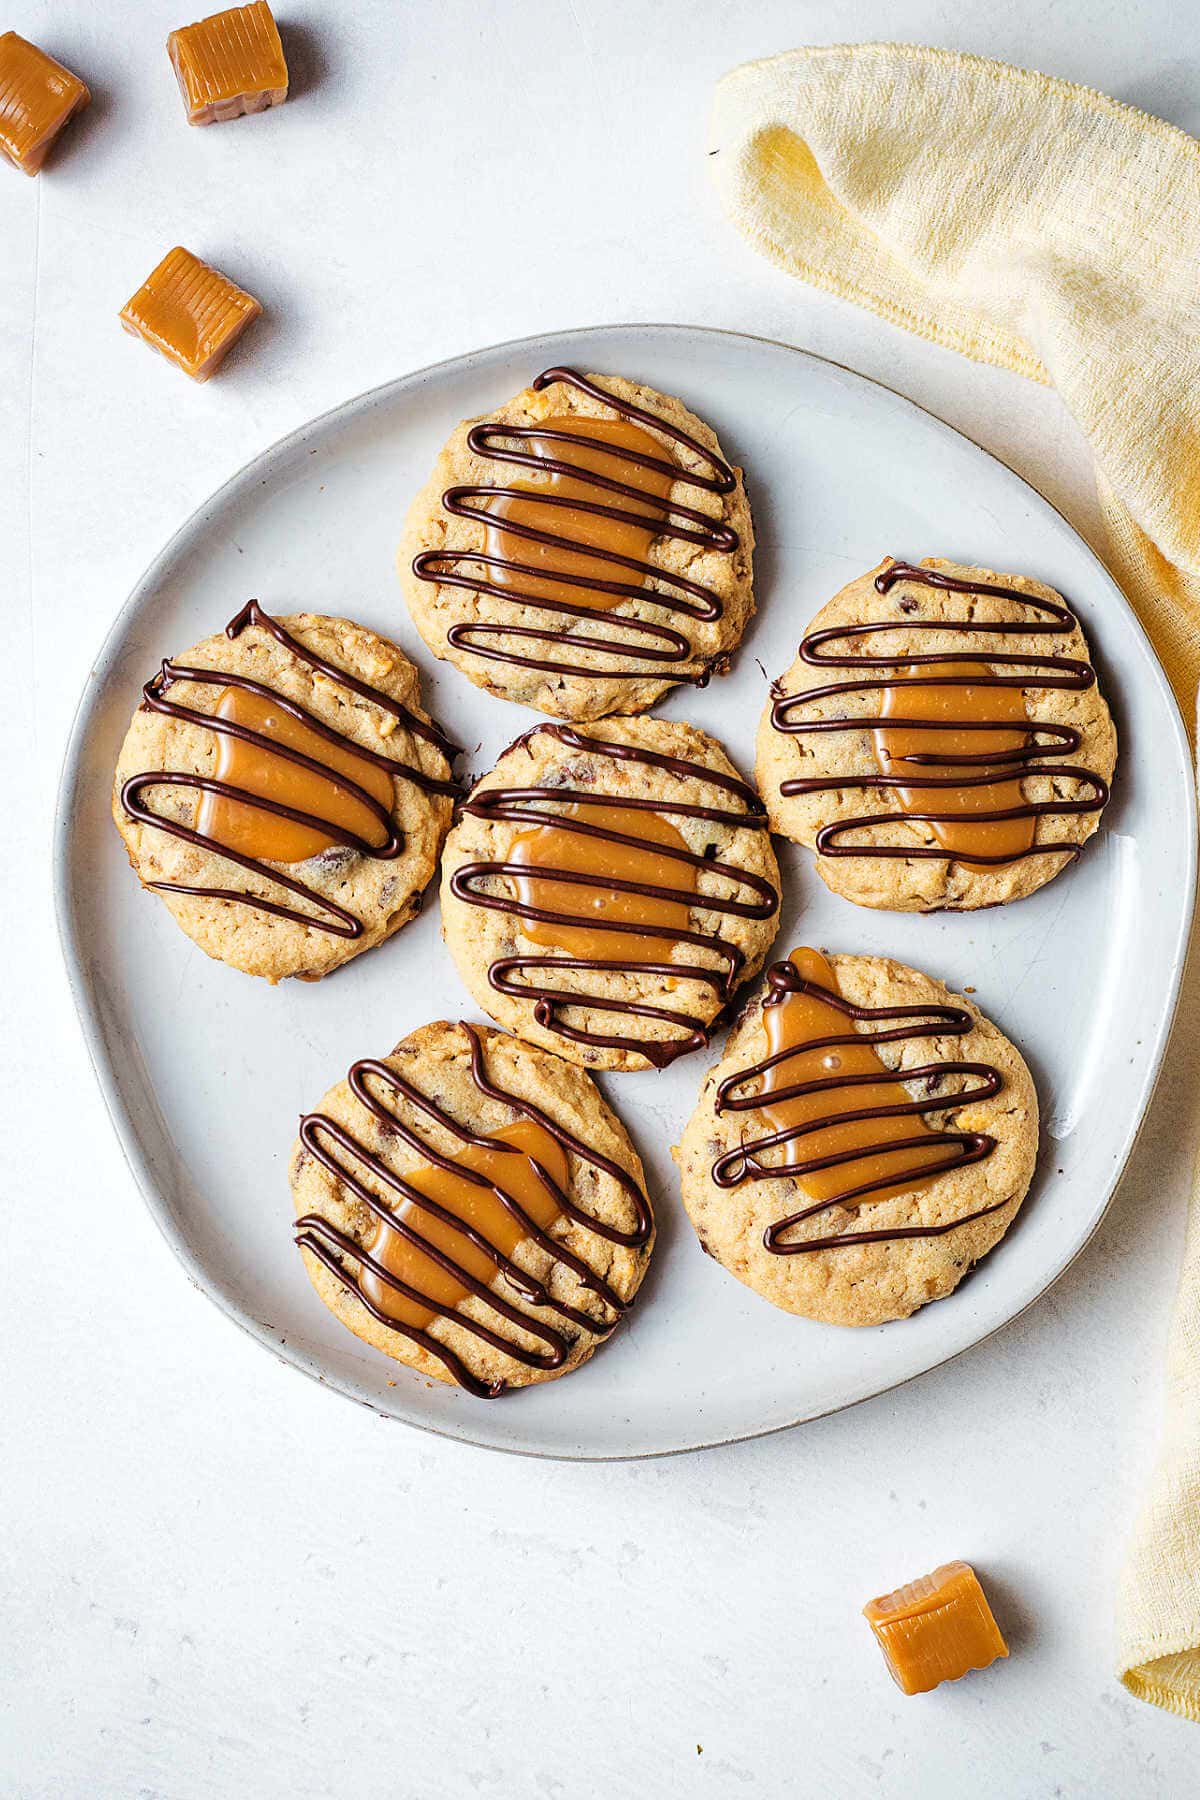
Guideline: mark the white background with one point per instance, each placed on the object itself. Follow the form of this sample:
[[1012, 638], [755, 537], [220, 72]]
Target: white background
[[219, 1581]]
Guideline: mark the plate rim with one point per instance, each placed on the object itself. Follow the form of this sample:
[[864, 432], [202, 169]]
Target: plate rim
[[81, 985]]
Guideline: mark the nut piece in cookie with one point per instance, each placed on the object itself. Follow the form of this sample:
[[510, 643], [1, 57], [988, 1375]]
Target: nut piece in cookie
[[470, 1206], [582, 549], [282, 789], [940, 740], [606, 889], [866, 1138]]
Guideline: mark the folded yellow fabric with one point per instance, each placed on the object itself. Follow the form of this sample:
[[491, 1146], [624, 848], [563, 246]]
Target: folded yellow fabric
[[1041, 226]]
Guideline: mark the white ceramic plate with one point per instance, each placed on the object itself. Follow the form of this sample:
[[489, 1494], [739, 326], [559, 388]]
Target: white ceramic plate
[[205, 1071]]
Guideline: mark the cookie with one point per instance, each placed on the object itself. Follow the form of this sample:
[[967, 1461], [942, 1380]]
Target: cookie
[[470, 1206], [581, 549], [865, 1139], [606, 888], [283, 791], [940, 740]]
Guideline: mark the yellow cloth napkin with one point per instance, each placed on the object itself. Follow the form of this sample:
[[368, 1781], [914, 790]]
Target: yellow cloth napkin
[[1041, 226]]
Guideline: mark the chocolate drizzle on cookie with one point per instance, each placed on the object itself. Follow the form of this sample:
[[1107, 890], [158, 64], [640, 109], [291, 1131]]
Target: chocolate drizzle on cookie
[[595, 507], [1015, 748], [412, 1211], [858, 1154], [330, 917], [546, 979]]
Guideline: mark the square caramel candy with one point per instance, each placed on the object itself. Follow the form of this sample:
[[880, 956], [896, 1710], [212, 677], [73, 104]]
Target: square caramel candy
[[190, 313], [935, 1629], [229, 64], [37, 97]]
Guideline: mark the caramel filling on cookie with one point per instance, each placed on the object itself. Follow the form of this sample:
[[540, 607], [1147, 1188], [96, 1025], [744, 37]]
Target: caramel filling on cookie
[[601, 883], [553, 850], [837, 1121], [233, 804], [569, 539], [238, 824], [957, 741], [876, 1145], [935, 1629], [568, 531], [959, 733], [509, 1164], [447, 1229]]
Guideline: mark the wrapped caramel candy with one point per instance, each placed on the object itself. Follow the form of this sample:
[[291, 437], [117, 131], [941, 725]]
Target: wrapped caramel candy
[[189, 313], [229, 64], [935, 1629], [37, 97]]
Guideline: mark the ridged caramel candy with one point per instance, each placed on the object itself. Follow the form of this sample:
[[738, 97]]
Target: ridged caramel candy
[[935, 1629], [229, 64], [190, 313], [37, 97]]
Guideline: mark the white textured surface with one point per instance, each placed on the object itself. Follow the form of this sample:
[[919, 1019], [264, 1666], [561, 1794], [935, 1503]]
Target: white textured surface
[[218, 1581]]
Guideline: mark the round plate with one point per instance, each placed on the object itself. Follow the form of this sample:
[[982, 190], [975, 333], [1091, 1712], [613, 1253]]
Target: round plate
[[205, 1070]]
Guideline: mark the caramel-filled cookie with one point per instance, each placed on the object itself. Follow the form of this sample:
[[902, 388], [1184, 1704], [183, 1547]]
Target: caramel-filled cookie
[[581, 549], [471, 1207], [284, 792], [606, 888], [865, 1139], [940, 741]]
